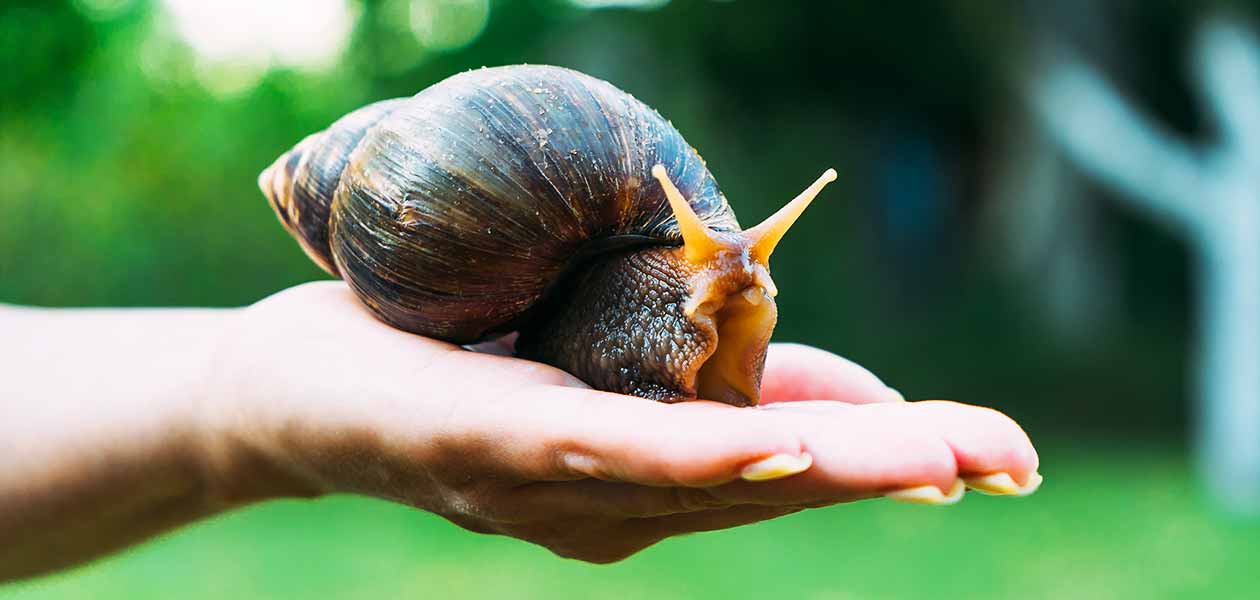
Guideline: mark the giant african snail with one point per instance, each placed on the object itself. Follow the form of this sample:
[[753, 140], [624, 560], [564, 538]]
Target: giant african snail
[[523, 199]]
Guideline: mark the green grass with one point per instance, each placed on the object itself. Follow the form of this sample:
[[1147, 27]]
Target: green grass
[[1108, 523]]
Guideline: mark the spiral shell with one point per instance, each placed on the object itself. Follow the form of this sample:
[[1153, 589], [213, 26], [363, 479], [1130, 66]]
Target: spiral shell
[[541, 200], [453, 212]]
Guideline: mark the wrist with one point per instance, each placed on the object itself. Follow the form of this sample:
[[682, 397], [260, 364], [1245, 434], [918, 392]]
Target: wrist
[[242, 456]]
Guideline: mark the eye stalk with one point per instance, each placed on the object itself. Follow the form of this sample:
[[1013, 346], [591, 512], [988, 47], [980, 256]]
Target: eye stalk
[[765, 236], [701, 244]]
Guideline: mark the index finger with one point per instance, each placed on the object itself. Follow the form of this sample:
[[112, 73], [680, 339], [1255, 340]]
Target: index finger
[[560, 433]]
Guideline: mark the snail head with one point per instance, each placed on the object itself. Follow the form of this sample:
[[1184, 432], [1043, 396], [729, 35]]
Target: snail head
[[730, 291]]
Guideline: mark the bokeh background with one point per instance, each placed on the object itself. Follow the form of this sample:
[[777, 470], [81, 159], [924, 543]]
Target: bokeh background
[[962, 254]]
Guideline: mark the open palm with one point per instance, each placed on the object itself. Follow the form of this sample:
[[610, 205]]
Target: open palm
[[324, 398]]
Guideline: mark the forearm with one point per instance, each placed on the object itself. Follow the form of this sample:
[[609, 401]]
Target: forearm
[[102, 442]]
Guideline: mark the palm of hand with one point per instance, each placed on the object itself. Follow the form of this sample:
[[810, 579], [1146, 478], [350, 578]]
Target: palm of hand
[[323, 398]]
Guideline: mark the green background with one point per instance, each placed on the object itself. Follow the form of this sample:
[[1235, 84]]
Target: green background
[[1108, 523], [126, 179]]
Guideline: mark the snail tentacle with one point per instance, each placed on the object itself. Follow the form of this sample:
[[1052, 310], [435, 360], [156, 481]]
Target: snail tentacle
[[766, 235], [699, 242]]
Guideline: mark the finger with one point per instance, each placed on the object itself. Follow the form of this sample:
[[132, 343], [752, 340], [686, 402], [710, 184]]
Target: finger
[[980, 440], [561, 433], [867, 451], [983, 440], [798, 372]]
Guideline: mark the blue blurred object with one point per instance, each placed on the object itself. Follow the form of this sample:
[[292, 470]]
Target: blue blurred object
[[1213, 199]]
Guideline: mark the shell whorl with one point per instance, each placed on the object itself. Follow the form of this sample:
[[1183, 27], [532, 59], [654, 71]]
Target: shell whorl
[[301, 183], [452, 213]]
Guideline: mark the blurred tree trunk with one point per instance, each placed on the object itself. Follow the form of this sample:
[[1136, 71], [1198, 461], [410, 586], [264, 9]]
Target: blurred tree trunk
[[1213, 199]]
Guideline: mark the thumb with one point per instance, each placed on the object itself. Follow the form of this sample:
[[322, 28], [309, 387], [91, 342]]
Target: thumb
[[797, 372]]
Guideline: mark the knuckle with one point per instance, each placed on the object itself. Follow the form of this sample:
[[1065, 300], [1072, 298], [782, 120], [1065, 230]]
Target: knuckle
[[480, 500], [935, 460], [577, 462]]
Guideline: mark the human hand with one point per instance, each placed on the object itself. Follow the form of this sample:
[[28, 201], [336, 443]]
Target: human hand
[[310, 395]]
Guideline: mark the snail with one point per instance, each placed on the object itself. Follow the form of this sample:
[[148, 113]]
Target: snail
[[544, 201]]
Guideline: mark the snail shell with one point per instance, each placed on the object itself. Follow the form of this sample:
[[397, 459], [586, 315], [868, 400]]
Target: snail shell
[[541, 200]]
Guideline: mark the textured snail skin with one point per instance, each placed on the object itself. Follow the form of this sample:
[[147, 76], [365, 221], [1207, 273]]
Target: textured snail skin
[[637, 341], [522, 198]]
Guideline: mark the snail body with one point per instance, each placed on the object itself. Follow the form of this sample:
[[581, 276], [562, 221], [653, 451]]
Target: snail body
[[541, 200]]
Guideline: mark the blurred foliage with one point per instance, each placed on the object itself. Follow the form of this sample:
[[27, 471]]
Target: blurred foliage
[[128, 182]]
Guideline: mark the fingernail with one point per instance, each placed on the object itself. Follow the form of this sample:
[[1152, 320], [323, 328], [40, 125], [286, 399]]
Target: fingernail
[[777, 467], [997, 484], [1034, 482], [896, 396], [1002, 484], [930, 494]]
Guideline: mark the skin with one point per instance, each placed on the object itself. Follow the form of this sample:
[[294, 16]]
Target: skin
[[121, 424]]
